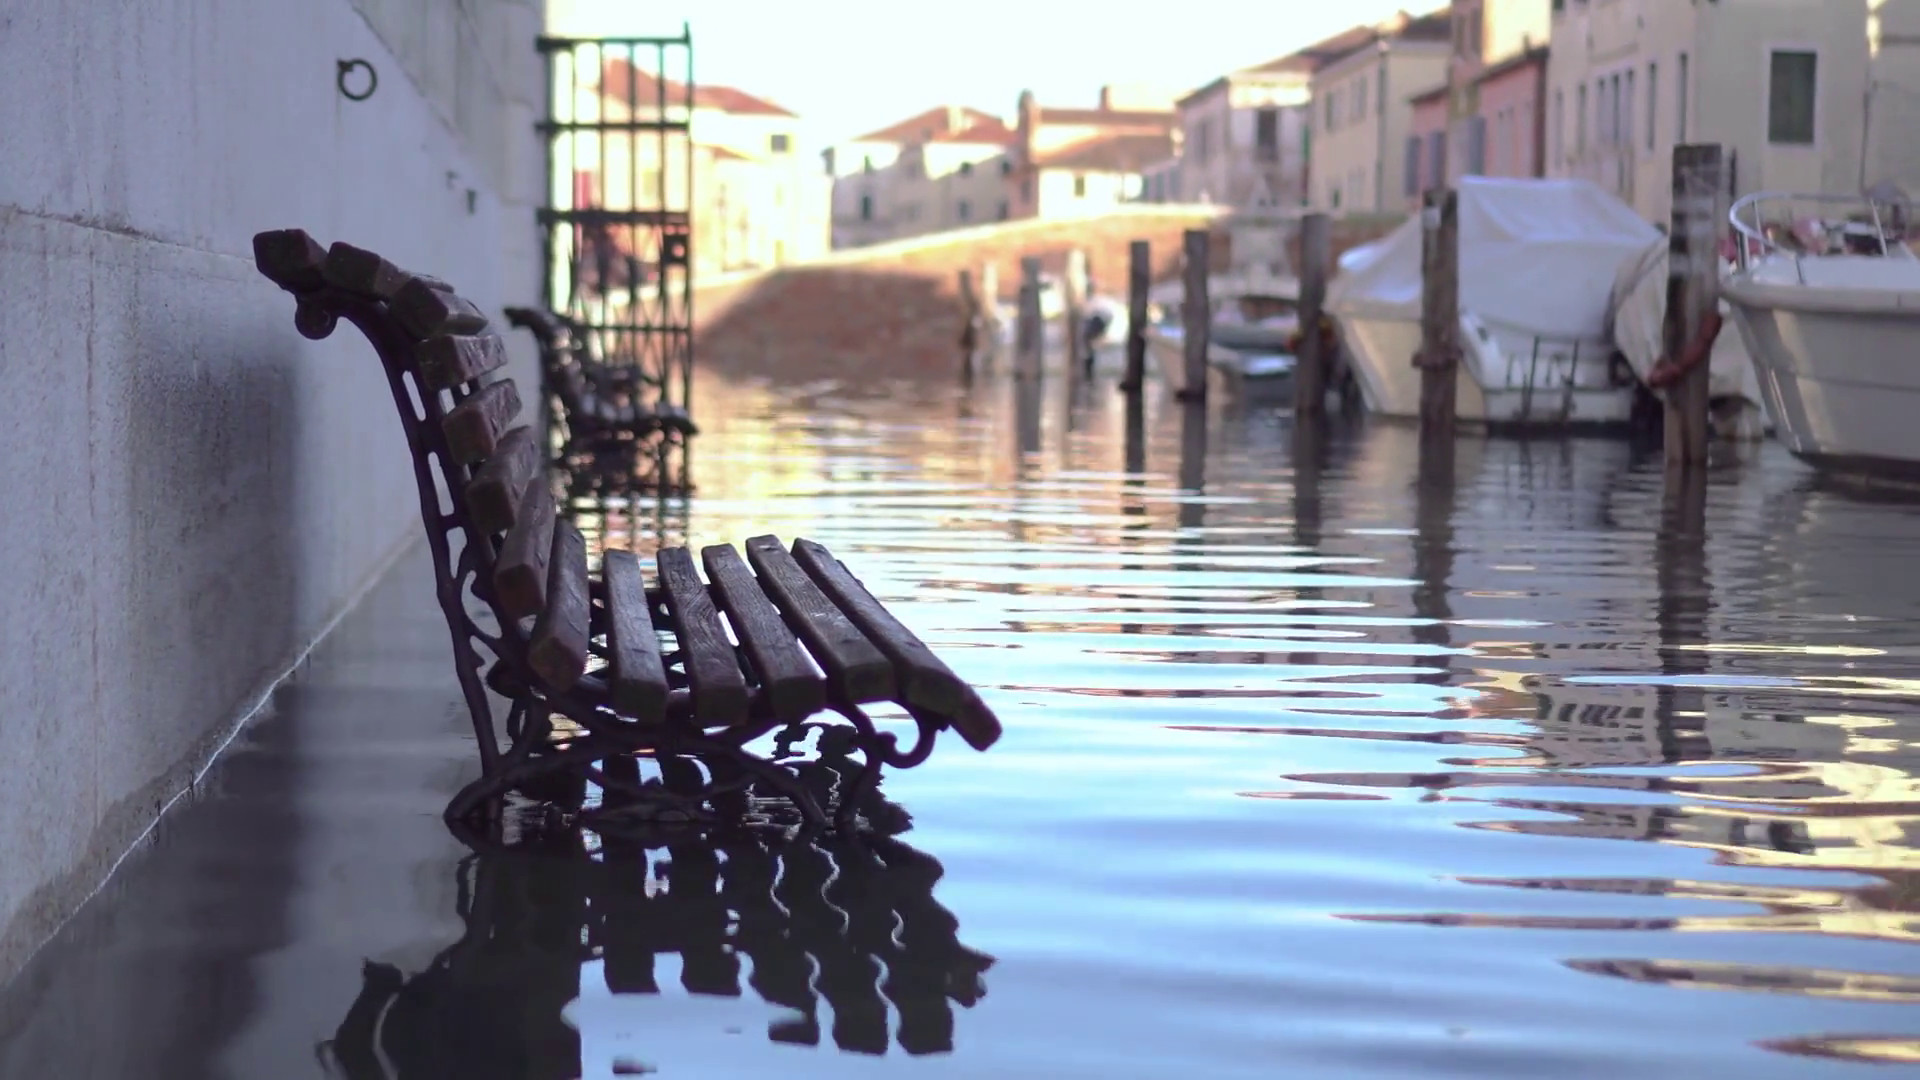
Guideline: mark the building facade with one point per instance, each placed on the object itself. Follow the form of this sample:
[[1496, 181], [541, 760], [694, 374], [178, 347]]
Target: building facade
[[1243, 137], [1360, 119], [1068, 160], [873, 192], [1782, 86]]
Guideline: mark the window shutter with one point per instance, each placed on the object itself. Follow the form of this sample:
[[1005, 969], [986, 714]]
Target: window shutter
[[1477, 146], [1413, 165]]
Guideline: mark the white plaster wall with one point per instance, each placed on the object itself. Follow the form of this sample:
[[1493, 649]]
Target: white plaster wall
[[193, 491]]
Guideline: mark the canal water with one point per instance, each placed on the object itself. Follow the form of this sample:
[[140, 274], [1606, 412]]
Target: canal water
[[1310, 770]]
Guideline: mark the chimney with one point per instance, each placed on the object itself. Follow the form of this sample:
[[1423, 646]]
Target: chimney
[[956, 119], [1106, 99]]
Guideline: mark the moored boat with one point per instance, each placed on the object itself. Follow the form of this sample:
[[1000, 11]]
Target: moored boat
[[1829, 309]]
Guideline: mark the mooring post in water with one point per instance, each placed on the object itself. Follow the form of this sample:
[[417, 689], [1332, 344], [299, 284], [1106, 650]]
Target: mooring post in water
[[1073, 290], [970, 329], [1439, 356], [1312, 359], [1693, 297], [1196, 314], [1027, 329], [1139, 282], [990, 327]]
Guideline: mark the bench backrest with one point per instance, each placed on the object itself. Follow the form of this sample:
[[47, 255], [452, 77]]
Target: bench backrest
[[478, 472]]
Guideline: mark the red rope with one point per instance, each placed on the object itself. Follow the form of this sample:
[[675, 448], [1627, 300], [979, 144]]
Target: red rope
[[1667, 372]]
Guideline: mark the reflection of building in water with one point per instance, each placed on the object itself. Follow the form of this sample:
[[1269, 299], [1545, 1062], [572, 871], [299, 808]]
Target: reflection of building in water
[[849, 922]]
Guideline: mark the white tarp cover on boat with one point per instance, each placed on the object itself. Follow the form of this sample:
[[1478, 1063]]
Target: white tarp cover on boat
[[1639, 320], [1537, 256]]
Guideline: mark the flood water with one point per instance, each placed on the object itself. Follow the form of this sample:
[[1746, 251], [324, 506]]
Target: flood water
[[1309, 770]]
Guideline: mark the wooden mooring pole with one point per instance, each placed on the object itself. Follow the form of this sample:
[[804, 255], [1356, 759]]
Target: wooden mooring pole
[[1196, 314], [970, 308], [1693, 297], [1439, 357], [1139, 282], [1073, 296], [1028, 331], [990, 309], [1311, 363]]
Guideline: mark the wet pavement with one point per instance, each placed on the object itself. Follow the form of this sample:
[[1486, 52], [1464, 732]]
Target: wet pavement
[[1310, 770]]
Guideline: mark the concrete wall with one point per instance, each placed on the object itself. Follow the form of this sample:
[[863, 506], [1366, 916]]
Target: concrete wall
[[193, 490]]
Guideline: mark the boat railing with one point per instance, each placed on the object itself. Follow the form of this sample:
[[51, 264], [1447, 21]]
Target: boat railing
[[1777, 222]]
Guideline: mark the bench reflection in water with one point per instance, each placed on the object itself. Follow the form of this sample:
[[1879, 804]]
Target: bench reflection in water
[[550, 910]]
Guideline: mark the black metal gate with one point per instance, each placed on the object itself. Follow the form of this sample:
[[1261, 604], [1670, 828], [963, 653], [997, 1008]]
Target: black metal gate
[[618, 222]]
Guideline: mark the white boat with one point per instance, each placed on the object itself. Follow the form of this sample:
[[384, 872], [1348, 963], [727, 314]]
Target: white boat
[[1250, 373], [1538, 259], [1830, 311]]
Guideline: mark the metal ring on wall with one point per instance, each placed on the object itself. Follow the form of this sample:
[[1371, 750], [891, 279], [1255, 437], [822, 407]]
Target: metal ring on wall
[[346, 68]]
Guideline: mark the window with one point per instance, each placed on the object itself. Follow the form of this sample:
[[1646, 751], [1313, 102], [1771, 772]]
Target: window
[[1006, 166], [1411, 183], [1580, 121], [1005, 210], [1653, 103], [1333, 106], [1079, 186], [1266, 134], [1436, 159], [780, 143], [1203, 141], [966, 168], [1626, 113], [1475, 40], [866, 208], [866, 164], [1026, 189], [1360, 98], [1476, 146], [1680, 92], [963, 210], [1790, 97], [827, 157], [1613, 111], [1559, 126], [1333, 197]]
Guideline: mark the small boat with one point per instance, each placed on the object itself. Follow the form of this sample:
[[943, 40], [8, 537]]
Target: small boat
[[1254, 374], [1538, 261], [1829, 309]]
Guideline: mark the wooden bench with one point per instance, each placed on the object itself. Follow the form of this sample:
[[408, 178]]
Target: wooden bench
[[598, 405], [602, 666]]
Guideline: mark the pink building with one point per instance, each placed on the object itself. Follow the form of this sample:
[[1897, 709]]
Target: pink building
[[1502, 130]]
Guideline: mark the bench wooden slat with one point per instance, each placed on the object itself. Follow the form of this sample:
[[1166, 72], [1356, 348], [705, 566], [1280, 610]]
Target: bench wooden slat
[[557, 651], [520, 575], [473, 427], [794, 689], [926, 679], [713, 669], [362, 272], [429, 312], [858, 670], [639, 678], [493, 495], [447, 361], [289, 258]]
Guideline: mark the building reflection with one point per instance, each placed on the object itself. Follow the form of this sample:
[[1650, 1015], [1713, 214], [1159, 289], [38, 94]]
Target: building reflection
[[843, 925]]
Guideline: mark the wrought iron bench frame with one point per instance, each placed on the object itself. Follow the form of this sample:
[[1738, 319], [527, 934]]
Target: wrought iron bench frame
[[711, 697]]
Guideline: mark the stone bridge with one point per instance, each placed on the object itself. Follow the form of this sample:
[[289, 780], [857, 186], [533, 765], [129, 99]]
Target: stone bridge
[[894, 308]]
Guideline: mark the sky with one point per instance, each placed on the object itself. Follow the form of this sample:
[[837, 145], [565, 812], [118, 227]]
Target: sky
[[851, 66]]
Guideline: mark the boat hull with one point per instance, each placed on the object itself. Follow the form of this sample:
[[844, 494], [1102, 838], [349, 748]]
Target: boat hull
[[1835, 378], [1568, 389]]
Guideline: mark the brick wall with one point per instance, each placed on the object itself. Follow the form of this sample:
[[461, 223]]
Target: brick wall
[[894, 309]]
